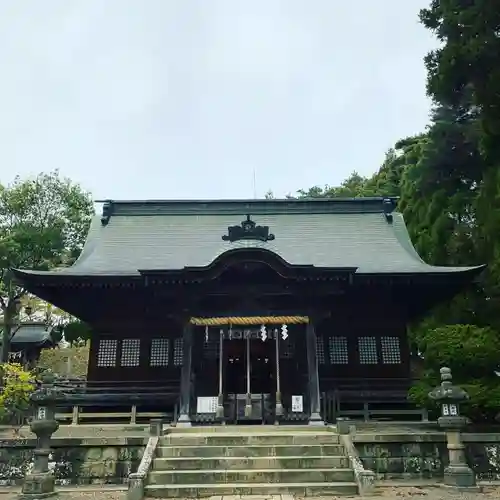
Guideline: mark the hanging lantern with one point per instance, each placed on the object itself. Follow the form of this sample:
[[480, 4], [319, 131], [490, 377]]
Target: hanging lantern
[[284, 331], [263, 333]]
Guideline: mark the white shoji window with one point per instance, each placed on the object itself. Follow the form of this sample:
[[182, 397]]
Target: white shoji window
[[131, 352], [320, 350], [106, 353], [159, 352], [286, 348], [178, 351], [339, 353], [391, 352], [367, 347]]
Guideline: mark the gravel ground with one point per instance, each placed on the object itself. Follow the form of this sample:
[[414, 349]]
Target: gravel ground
[[437, 493], [77, 495]]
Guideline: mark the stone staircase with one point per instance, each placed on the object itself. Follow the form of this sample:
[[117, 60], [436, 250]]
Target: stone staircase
[[251, 460]]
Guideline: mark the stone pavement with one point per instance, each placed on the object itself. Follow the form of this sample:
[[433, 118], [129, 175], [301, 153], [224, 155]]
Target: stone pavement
[[386, 492]]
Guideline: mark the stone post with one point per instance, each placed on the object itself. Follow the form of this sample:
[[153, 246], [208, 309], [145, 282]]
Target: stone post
[[156, 427], [40, 483], [137, 479], [449, 396], [343, 425]]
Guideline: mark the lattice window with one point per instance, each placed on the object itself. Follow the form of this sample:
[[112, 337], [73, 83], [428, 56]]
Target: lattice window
[[106, 353], [339, 353], [391, 352], [320, 350], [286, 348], [367, 347], [159, 352], [131, 352], [178, 351]]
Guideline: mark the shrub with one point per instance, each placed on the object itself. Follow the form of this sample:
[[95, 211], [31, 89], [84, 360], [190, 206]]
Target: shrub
[[17, 386], [67, 362]]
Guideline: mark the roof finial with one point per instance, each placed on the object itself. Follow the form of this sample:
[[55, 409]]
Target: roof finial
[[388, 204], [107, 211]]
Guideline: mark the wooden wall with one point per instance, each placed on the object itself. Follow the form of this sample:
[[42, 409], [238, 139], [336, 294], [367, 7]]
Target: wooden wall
[[135, 353], [362, 348], [361, 340]]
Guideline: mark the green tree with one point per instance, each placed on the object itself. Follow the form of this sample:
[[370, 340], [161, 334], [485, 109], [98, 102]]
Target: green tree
[[70, 361], [471, 353], [353, 187], [385, 182], [464, 71], [438, 177], [76, 332], [439, 187], [464, 77], [43, 223]]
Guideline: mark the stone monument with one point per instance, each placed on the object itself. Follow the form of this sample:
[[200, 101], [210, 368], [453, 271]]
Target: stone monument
[[449, 396], [40, 482]]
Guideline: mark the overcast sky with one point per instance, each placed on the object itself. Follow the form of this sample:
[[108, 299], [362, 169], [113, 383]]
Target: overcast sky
[[187, 98]]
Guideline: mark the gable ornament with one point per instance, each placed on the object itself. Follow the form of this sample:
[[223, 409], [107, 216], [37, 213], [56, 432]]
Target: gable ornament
[[248, 230]]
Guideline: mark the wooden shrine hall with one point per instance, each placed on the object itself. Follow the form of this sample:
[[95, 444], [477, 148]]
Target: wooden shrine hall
[[251, 310]]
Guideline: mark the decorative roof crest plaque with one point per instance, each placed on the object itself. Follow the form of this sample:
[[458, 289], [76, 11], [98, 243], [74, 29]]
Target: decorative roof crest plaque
[[248, 230]]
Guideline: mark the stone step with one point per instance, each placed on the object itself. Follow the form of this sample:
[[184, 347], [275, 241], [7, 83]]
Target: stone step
[[260, 450], [241, 439], [231, 463], [262, 489], [259, 429], [207, 476]]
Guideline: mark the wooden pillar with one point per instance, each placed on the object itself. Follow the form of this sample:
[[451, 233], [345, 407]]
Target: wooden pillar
[[185, 400], [220, 397], [312, 365]]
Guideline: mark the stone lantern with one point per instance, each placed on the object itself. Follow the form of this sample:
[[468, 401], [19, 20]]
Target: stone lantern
[[40, 482], [449, 396]]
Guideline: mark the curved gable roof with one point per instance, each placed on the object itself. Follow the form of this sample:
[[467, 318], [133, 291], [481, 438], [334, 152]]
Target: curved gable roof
[[355, 233]]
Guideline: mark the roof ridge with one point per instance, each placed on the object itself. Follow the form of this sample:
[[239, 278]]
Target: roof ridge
[[378, 204], [357, 199]]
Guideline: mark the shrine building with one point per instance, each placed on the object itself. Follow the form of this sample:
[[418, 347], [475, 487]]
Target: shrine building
[[250, 308]]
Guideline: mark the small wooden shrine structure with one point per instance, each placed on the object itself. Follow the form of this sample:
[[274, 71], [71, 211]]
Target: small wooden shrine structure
[[27, 342]]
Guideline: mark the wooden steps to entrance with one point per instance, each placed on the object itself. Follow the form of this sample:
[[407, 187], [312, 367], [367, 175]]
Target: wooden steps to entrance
[[255, 460]]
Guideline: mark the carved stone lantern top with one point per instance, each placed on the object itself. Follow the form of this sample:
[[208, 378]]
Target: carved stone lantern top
[[449, 396], [447, 392], [47, 393]]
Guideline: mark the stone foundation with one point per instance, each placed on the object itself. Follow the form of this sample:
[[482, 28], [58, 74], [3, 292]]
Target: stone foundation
[[424, 455], [74, 461]]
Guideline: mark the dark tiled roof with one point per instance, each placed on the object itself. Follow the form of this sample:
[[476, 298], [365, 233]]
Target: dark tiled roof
[[30, 333], [173, 235]]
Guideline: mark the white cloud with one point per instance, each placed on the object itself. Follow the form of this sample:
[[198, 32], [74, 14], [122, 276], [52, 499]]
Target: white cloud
[[184, 98]]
